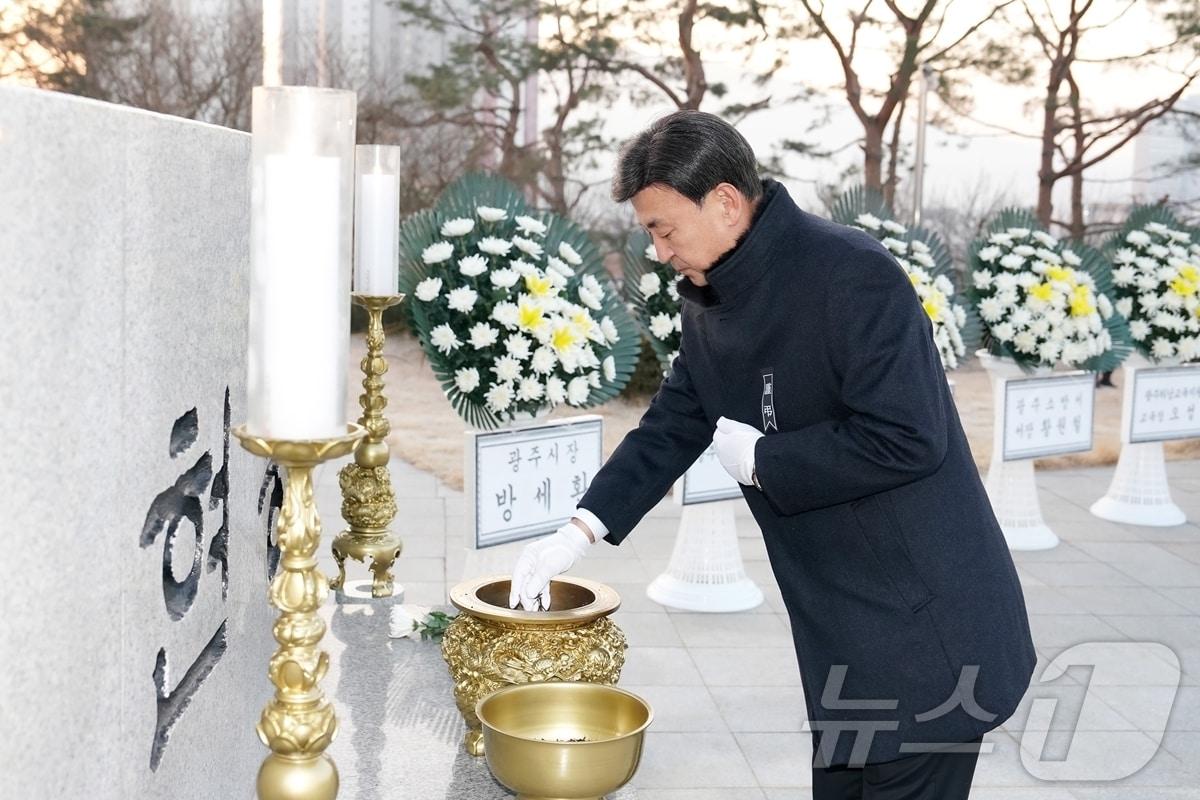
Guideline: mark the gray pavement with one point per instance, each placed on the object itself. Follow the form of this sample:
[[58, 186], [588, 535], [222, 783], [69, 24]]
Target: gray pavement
[[729, 708]]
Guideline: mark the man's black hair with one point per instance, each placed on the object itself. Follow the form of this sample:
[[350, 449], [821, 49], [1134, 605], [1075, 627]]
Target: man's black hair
[[691, 152]]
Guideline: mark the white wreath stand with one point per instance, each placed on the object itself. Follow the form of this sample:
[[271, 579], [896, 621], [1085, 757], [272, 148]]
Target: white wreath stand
[[1138, 494], [706, 571], [1011, 485]]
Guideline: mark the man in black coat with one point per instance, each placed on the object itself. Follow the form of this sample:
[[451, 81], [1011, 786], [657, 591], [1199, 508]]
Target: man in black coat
[[807, 358]]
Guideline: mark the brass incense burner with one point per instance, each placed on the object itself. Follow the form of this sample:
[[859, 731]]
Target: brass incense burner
[[490, 646]]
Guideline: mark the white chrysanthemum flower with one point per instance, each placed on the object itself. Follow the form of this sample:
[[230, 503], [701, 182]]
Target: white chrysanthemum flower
[[1138, 238], [517, 346], [568, 254], [661, 326], [1187, 348], [1045, 239], [609, 367], [1156, 227], [1011, 261], [504, 278], [1048, 352], [1105, 305], [1019, 233], [1158, 251], [437, 252], [1021, 317], [1070, 259], [428, 289], [593, 378], [990, 253], [989, 309], [1004, 239], [1003, 332], [472, 265], [558, 265], [556, 390], [1024, 250], [651, 254], [1124, 306], [578, 391], [1005, 282], [1027, 279], [527, 246], [1125, 275], [924, 259], [507, 314], [531, 226], [490, 214], [673, 290], [443, 339], [462, 299], [893, 226], [868, 221], [494, 246], [982, 279], [507, 368], [589, 299], [894, 245], [467, 379], [1139, 329], [483, 335], [1162, 348], [544, 360], [650, 284], [609, 329], [458, 227], [1124, 256], [1025, 342], [677, 321], [499, 397], [530, 388], [522, 267]]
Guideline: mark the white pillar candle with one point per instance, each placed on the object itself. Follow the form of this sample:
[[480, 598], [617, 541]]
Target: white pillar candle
[[300, 229], [377, 220]]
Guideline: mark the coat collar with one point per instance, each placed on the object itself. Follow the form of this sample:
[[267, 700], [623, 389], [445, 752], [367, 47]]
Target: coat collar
[[751, 258]]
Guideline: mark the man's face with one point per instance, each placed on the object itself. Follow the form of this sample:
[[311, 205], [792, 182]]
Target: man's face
[[689, 237]]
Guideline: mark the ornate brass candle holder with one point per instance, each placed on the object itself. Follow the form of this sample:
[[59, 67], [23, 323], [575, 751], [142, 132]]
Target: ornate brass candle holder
[[298, 723], [368, 502], [490, 645]]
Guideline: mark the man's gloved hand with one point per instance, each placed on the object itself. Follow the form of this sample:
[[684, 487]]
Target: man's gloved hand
[[542, 560], [735, 443]]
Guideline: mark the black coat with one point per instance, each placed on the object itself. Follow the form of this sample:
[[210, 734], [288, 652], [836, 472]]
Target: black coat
[[906, 610]]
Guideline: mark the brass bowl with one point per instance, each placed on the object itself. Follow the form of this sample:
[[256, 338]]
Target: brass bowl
[[563, 740], [489, 645]]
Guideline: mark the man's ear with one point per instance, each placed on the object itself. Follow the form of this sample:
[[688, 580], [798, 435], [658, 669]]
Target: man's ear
[[733, 205]]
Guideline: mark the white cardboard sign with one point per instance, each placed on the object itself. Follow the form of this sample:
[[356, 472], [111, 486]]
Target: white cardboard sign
[[706, 481], [1166, 404], [1048, 416], [525, 482]]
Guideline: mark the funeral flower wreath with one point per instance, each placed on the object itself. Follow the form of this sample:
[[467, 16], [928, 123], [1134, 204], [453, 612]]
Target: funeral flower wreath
[[1044, 304], [1157, 283], [512, 306]]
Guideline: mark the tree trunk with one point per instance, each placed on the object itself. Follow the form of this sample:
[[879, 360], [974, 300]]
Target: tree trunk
[[889, 186], [873, 155]]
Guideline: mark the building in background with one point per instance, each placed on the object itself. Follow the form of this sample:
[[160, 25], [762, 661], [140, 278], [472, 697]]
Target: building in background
[[1164, 163]]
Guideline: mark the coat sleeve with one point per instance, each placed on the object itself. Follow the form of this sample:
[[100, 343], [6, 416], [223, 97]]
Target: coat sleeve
[[891, 385], [671, 435]]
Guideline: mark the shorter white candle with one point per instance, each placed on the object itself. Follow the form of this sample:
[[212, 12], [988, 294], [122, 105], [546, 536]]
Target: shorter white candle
[[376, 265], [377, 219]]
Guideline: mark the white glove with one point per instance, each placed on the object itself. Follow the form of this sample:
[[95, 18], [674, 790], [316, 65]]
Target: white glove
[[735, 443], [542, 560]]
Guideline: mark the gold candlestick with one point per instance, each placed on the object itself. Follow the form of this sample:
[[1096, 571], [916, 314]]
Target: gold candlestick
[[368, 502], [298, 723]]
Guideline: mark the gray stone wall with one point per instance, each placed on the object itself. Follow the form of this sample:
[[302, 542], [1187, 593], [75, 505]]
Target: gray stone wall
[[135, 630]]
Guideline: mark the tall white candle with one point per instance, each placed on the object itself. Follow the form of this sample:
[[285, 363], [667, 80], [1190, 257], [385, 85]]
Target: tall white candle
[[300, 228], [376, 264]]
